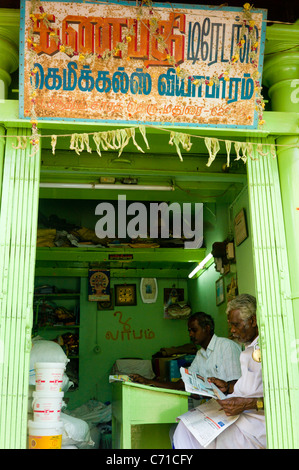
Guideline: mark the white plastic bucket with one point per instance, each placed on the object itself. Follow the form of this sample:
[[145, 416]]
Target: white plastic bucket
[[49, 376], [47, 405], [45, 435]]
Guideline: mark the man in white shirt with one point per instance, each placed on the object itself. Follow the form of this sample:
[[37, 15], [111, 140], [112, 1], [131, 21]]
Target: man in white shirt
[[218, 357], [246, 396]]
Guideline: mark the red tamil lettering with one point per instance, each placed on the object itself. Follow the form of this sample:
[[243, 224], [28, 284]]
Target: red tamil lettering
[[80, 41], [175, 43], [97, 35], [108, 33], [46, 45], [141, 30], [93, 35]]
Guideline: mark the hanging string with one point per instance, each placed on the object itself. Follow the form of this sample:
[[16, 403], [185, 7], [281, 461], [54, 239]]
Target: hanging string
[[118, 139], [142, 130]]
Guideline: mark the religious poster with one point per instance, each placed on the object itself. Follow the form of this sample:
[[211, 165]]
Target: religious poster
[[175, 307], [98, 285], [141, 63]]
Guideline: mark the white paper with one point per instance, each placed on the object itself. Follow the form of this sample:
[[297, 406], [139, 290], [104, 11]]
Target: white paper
[[196, 384], [119, 378], [207, 421]]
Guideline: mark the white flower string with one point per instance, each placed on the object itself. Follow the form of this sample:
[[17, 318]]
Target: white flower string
[[53, 143], [228, 146], [118, 139], [22, 143], [178, 138], [213, 147]]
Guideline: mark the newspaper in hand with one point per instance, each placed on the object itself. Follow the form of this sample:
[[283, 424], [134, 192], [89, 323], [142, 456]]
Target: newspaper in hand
[[196, 384], [207, 421]]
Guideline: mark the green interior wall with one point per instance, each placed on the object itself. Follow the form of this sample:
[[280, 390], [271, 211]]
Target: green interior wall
[[244, 252], [202, 290], [146, 321], [150, 331]]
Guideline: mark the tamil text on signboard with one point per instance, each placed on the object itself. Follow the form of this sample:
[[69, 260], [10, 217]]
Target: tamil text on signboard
[[188, 66]]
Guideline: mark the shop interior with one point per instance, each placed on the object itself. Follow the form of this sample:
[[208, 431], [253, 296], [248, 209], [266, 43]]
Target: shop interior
[[100, 337]]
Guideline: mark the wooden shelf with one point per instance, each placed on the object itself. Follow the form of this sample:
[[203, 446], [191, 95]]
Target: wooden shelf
[[110, 254], [125, 261], [58, 295], [58, 327]]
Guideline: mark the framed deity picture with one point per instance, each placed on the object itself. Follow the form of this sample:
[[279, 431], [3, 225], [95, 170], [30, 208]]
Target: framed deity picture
[[125, 294], [240, 227], [220, 291], [232, 289], [98, 285], [106, 304]]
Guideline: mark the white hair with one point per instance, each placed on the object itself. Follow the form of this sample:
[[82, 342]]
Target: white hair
[[245, 303]]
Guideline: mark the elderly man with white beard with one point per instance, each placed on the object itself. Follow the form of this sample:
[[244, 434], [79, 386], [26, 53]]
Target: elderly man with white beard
[[245, 397]]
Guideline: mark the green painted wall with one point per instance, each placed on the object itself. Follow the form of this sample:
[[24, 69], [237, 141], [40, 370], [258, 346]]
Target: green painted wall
[[202, 291], [107, 329], [244, 253], [203, 298], [99, 327]]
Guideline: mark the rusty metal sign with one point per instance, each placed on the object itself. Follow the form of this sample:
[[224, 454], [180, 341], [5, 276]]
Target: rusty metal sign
[[185, 66]]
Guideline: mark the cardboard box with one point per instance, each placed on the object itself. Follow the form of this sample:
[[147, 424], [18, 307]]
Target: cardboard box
[[160, 367], [173, 366], [168, 368]]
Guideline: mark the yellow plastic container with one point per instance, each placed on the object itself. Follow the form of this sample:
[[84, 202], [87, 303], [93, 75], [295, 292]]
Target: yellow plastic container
[[45, 435]]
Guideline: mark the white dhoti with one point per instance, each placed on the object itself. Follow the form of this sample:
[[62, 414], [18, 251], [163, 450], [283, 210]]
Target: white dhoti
[[249, 431]]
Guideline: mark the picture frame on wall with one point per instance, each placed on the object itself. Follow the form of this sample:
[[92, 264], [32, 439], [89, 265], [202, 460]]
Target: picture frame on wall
[[98, 285], [240, 227], [220, 293], [106, 304], [232, 289], [125, 294]]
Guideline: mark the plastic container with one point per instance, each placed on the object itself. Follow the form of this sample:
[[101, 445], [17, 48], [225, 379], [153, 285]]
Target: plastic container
[[45, 435], [47, 405], [49, 376]]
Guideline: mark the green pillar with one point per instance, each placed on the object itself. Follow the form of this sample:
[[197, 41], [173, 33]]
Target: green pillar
[[18, 221], [19, 189], [9, 48], [2, 147], [281, 76], [275, 309]]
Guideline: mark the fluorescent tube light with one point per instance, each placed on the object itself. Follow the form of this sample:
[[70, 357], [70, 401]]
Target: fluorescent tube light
[[201, 265], [123, 187]]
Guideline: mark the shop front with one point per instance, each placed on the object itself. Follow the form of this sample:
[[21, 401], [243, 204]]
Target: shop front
[[119, 111]]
